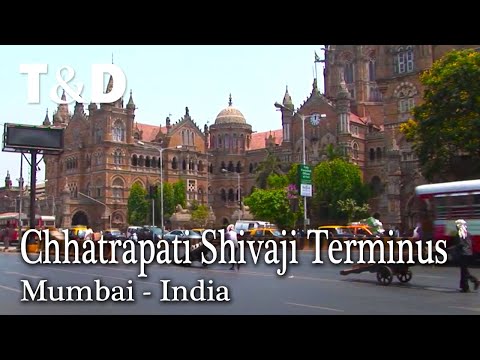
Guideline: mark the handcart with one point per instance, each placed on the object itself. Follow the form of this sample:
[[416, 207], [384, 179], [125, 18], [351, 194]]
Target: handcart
[[385, 272]]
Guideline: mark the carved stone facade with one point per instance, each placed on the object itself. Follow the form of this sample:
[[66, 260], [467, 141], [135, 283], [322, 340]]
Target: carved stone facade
[[369, 92]]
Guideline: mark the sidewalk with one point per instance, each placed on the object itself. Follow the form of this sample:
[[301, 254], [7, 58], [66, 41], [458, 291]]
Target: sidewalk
[[10, 249]]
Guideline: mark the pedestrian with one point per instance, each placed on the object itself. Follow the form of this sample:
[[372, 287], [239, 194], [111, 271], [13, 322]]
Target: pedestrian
[[464, 252], [231, 234], [7, 235]]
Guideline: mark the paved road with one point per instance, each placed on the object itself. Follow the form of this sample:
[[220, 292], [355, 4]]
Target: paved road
[[255, 289]]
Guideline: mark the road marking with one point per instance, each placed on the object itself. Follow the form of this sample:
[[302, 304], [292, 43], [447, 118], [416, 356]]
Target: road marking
[[465, 308], [439, 289], [314, 307], [147, 293], [102, 276], [9, 288], [24, 275]]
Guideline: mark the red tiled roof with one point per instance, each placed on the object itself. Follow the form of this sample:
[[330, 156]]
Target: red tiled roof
[[257, 142], [258, 139], [356, 119], [150, 131]]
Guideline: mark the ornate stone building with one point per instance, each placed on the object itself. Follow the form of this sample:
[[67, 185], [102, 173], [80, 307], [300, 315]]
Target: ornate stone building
[[369, 91], [106, 151]]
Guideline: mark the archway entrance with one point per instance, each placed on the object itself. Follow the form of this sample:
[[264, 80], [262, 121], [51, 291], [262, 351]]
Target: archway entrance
[[80, 218]]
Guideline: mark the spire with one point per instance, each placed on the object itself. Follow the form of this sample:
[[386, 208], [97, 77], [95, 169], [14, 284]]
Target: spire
[[110, 85], [64, 97], [287, 100], [46, 121], [112, 57], [8, 182], [131, 104], [230, 100]]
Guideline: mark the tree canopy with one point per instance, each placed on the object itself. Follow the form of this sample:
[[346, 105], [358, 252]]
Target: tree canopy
[[445, 129], [138, 205], [336, 180]]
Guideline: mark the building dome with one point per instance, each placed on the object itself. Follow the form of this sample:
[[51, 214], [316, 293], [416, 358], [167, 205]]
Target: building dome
[[230, 115]]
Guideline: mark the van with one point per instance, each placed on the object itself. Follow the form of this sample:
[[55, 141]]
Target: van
[[248, 225]]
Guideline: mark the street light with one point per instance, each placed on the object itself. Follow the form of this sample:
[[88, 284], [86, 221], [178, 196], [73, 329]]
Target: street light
[[225, 171], [98, 201], [304, 158], [208, 180], [160, 151]]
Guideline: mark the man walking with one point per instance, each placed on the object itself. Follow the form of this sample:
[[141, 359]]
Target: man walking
[[465, 252]]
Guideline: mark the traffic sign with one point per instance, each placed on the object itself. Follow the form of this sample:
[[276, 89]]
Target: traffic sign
[[306, 190], [305, 180]]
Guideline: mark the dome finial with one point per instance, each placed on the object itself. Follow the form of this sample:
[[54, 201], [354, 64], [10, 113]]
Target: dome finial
[[230, 100]]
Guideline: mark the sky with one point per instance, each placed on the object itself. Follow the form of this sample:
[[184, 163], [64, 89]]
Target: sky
[[164, 80]]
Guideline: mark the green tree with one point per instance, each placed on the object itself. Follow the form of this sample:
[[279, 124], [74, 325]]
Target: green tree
[[180, 193], [271, 165], [445, 129], [351, 210], [138, 206], [272, 205], [168, 199], [333, 152], [200, 215], [337, 180], [275, 181]]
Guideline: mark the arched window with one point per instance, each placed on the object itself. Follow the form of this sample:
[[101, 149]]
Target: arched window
[[117, 157], [98, 188], [376, 185], [372, 154], [174, 163], [134, 160], [355, 149], [223, 195], [98, 135], [231, 195], [405, 93], [118, 131], [117, 189], [403, 60]]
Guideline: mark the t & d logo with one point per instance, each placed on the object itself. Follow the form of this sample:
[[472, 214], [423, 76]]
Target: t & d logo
[[98, 95]]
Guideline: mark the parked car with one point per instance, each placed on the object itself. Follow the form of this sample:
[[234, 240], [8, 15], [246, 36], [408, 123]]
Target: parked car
[[113, 234], [362, 231], [338, 232], [182, 235], [150, 233], [267, 233]]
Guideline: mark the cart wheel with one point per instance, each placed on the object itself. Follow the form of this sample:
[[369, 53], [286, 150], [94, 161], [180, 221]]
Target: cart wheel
[[405, 276], [384, 275]]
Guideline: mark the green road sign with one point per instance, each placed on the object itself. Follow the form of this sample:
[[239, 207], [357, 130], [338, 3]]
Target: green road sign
[[304, 174], [305, 180]]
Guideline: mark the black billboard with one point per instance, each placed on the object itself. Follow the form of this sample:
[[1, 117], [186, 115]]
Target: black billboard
[[28, 137]]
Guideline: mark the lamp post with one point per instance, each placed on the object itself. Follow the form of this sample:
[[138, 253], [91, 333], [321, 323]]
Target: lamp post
[[225, 171], [304, 157], [98, 201], [160, 151], [208, 180]]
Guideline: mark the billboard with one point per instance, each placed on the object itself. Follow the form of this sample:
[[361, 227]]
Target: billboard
[[28, 137]]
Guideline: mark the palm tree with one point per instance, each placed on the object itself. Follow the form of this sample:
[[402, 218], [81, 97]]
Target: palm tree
[[271, 165]]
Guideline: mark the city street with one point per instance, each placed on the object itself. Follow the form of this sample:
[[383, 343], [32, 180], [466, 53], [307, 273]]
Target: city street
[[307, 288]]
